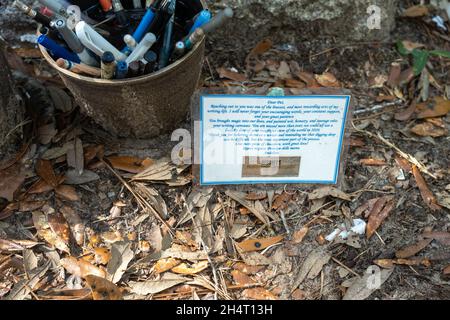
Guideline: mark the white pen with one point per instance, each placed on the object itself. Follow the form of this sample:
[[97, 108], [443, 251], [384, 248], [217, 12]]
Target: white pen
[[143, 46]]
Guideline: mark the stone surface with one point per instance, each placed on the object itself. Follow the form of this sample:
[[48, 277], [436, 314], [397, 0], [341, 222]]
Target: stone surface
[[346, 19]]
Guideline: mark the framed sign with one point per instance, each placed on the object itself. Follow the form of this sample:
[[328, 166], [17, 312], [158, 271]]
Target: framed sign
[[250, 139]]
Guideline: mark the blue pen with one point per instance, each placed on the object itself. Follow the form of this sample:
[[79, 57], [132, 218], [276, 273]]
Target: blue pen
[[141, 30], [57, 50], [121, 70], [203, 17]]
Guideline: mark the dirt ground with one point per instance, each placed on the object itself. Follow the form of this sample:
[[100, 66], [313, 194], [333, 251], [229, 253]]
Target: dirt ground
[[209, 253]]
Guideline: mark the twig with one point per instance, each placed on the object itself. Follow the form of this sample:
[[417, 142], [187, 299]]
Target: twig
[[378, 107], [205, 291], [345, 267], [403, 154], [283, 218], [21, 124]]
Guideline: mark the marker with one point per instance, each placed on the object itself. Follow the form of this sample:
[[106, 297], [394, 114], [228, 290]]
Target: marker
[[108, 65], [166, 48], [137, 4], [130, 44], [35, 15], [134, 69], [92, 40], [106, 5], [178, 50], [56, 49], [121, 70], [78, 67], [141, 48], [143, 26], [194, 38], [203, 17], [150, 58], [73, 42], [121, 15]]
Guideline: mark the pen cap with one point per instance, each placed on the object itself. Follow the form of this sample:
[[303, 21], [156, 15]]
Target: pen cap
[[203, 17], [218, 20], [106, 5], [121, 70], [151, 56], [129, 41], [55, 5], [108, 57], [68, 35], [92, 40], [143, 46], [194, 38], [144, 25]]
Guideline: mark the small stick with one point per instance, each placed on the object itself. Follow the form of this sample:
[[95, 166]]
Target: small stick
[[345, 267], [377, 107]]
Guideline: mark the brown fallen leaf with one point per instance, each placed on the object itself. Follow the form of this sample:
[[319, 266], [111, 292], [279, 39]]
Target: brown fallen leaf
[[412, 250], [390, 263], [425, 192], [59, 226], [298, 295], [416, 11], [359, 290], [81, 268], [404, 164], [67, 192], [281, 201], [261, 47], [10, 181], [259, 294], [299, 235], [427, 129], [129, 164], [8, 245], [258, 244], [40, 186], [433, 109], [184, 268], [229, 74], [327, 79], [312, 266], [328, 191], [92, 152], [372, 162], [240, 197], [447, 270], [167, 281], [247, 269], [30, 205], [41, 223], [253, 196], [293, 83], [102, 255], [240, 278], [166, 264], [380, 211], [394, 75], [44, 169], [308, 78], [356, 142], [103, 289], [75, 223], [441, 236]]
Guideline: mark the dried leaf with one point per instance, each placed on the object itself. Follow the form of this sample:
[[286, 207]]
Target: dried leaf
[[427, 129], [394, 75], [407, 113], [164, 265], [44, 230], [10, 180], [412, 250], [240, 197], [380, 211], [261, 47], [284, 72], [9, 246], [281, 201], [446, 270], [390, 263], [437, 108], [416, 11], [372, 162], [129, 164], [75, 155], [184, 255], [30, 261], [359, 290], [255, 259], [121, 255], [73, 177], [229, 74], [102, 255], [44, 169], [240, 278], [328, 191], [299, 235], [59, 226], [154, 286], [308, 78], [253, 196], [442, 237], [46, 133], [67, 192], [40, 186], [103, 289], [247, 269], [30, 205], [81, 268], [327, 79], [23, 287], [258, 244], [312, 266], [60, 98], [259, 294], [425, 192], [75, 223], [162, 170], [184, 268]]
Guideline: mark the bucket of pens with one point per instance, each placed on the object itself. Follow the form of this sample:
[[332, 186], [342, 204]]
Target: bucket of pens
[[132, 65]]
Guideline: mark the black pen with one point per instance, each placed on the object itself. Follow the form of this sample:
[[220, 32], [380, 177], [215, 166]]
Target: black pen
[[166, 48]]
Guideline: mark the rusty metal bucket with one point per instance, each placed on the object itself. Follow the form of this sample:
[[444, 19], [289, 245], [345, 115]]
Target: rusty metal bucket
[[141, 107]]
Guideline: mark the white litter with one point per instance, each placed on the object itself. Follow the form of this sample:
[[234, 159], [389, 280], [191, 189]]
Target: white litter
[[359, 227], [439, 22]]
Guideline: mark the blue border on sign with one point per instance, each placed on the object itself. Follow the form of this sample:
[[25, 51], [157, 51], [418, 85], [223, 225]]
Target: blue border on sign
[[338, 157]]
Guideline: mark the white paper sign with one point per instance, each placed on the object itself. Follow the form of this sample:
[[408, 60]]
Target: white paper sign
[[262, 139]]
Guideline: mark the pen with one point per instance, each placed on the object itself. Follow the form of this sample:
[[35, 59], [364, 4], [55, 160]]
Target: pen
[[134, 69], [108, 65], [130, 44], [121, 15], [106, 5], [121, 70], [73, 42], [143, 26], [151, 58], [167, 41], [78, 67], [203, 17], [56, 49], [141, 48], [56, 6], [39, 17], [92, 40], [178, 50]]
